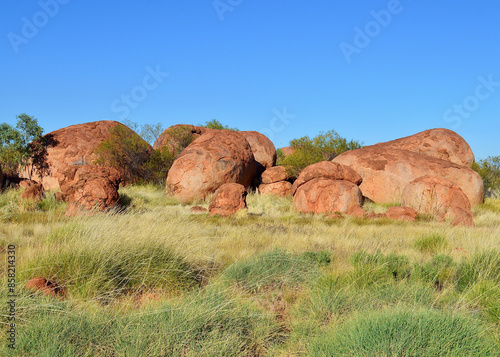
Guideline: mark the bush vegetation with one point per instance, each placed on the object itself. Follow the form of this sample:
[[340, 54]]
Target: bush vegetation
[[154, 279], [307, 151], [489, 169]]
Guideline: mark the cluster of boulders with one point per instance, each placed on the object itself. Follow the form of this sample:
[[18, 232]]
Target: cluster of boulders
[[426, 173]]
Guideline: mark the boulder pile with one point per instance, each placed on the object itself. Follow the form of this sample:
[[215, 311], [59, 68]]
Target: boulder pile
[[275, 181]]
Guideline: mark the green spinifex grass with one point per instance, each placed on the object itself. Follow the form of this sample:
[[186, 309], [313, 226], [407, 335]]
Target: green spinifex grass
[[205, 323], [407, 332], [146, 280]]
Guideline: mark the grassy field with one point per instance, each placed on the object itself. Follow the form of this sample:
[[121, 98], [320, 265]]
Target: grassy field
[[158, 280]]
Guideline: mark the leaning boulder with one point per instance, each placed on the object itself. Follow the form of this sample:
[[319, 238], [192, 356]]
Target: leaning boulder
[[227, 200], [386, 171], [321, 195], [89, 187], [213, 159], [442, 144], [263, 149]]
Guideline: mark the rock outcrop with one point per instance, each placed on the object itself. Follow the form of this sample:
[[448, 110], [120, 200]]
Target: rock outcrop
[[179, 136], [89, 188], [227, 200], [327, 196], [213, 159], [386, 171], [275, 181], [442, 144], [32, 190], [263, 149], [76, 145]]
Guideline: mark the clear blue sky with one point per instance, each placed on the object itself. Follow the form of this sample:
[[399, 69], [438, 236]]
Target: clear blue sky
[[372, 70]]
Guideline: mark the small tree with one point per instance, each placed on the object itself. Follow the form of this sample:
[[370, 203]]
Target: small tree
[[323, 147], [22, 148], [489, 170], [215, 124]]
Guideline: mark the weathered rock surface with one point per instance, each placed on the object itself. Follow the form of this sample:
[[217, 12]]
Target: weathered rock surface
[[440, 143], [198, 209], [89, 187], [263, 149], [75, 145], [280, 188], [327, 170], [402, 213], [32, 190], [275, 174], [387, 171], [321, 195], [287, 150], [49, 288], [227, 200], [434, 195], [213, 159]]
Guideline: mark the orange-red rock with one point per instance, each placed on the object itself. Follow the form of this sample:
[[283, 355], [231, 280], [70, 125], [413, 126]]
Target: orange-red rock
[[33, 190], [402, 213], [89, 187], [213, 159], [280, 188], [227, 200], [440, 143], [75, 144], [275, 174], [327, 170], [327, 196], [434, 195], [287, 150], [50, 288], [460, 217], [198, 209], [263, 149], [387, 171]]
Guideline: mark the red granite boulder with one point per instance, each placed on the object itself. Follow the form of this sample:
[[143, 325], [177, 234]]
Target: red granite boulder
[[227, 200], [213, 159]]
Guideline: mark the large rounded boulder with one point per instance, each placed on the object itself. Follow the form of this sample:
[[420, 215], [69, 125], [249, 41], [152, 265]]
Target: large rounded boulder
[[89, 188], [434, 195], [327, 170], [213, 159], [263, 149], [386, 171], [76, 145], [440, 143], [327, 196]]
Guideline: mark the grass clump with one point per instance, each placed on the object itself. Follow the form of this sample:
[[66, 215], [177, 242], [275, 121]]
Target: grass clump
[[431, 244], [276, 268], [407, 332], [482, 266], [371, 268]]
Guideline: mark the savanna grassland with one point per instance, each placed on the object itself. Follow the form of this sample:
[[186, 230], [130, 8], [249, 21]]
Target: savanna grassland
[[155, 279]]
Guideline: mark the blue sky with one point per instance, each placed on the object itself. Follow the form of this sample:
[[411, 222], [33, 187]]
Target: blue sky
[[373, 71]]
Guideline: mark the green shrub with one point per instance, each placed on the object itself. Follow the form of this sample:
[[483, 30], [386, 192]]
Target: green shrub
[[324, 146], [432, 244], [276, 268], [439, 270], [407, 332], [489, 169], [215, 124]]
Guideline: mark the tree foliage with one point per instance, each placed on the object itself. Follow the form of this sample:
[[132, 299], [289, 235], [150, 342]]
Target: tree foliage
[[215, 124], [323, 147], [149, 132], [22, 148], [489, 170]]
